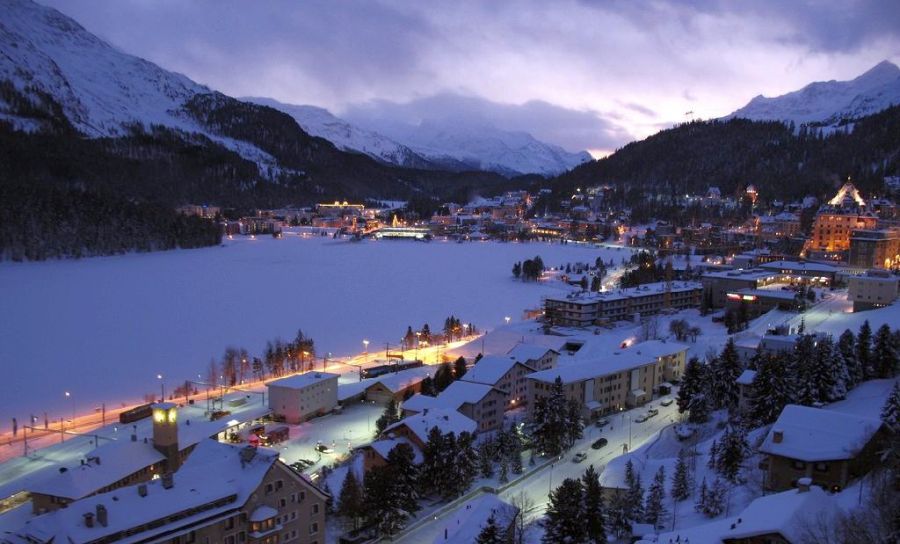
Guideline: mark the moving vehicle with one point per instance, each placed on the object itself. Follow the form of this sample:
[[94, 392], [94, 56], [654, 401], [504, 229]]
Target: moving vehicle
[[579, 457], [599, 443]]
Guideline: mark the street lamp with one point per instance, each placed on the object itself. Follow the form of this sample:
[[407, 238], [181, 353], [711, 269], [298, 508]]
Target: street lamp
[[69, 396], [466, 327], [417, 345], [162, 387], [366, 343], [507, 318]]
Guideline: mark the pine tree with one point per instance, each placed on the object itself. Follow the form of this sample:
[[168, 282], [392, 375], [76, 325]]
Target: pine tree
[[715, 499], [517, 270], [465, 462], [702, 497], [884, 356], [504, 471], [485, 459], [351, 501], [459, 368], [383, 508], [803, 369], [682, 483], [427, 387], [404, 477], [732, 451], [618, 514], [692, 382], [390, 416], [594, 511], [847, 346], [490, 533], [724, 372], [864, 351], [635, 498], [772, 388], [699, 409], [574, 424], [443, 377], [409, 339], [890, 413], [712, 456], [654, 509], [564, 518], [832, 375], [433, 462], [551, 425]]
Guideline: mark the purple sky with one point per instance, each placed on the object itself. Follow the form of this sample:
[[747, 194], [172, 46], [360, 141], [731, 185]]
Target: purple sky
[[584, 75]]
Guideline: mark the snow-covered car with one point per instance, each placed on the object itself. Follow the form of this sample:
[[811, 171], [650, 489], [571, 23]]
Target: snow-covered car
[[600, 423], [579, 457], [666, 402], [599, 443], [652, 412], [641, 418]]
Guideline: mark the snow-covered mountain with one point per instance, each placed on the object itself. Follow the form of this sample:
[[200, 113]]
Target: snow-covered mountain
[[322, 123], [436, 144], [485, 147], [830, 103]]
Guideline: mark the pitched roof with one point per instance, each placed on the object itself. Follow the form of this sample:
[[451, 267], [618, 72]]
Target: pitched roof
[[419, 402], [385, 445], [490, 369], [445, 420], [746, 377], [813, 434], [238, 475], [788, 513], [462, 392], [602, 362]]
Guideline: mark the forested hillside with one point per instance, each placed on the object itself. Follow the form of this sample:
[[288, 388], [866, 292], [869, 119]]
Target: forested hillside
[[732, 154]]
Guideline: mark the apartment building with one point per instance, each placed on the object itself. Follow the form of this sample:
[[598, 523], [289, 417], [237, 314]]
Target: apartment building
[[222, 494], [602, 383], [304, 396], [505, 374], [875, 289], [534, 356], [875, 248], [582, 309]]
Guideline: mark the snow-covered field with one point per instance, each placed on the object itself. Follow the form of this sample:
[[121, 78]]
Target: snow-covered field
[[103, 328]]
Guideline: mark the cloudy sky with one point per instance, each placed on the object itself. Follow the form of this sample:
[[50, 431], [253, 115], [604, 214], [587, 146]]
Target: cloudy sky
[[584, 75]]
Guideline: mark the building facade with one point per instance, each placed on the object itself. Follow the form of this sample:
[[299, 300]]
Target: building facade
[[586, 309], [304, 396]]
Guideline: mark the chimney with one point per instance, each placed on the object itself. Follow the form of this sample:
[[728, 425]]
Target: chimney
[[803, 485], [88, 519], [168, 481], [777, 436], [101, 515], [142, 490]]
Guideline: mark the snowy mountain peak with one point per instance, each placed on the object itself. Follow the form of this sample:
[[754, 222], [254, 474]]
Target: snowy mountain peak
[[830, 103]]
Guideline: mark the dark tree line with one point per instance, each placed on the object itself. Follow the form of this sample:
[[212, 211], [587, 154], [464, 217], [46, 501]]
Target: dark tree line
[[529, 269]]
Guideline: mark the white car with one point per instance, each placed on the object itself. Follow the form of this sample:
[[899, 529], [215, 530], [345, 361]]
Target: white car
[[579, 457], [641, 418], [667, 402]]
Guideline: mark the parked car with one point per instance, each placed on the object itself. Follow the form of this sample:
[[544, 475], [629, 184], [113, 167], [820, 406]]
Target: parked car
[[652, 412], [322, 448], [641, 418], [579, 457], [600, 423], [599, 443], [666, 402]]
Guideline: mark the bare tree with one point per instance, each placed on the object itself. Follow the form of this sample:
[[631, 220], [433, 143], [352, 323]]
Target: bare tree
[[527, 514]]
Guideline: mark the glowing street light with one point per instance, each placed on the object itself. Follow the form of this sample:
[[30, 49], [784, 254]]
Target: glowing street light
[[366, 343], [507, 318], [70, 397], [162, 387]]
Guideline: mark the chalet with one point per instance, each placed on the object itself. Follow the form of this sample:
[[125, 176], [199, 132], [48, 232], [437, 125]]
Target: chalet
[[505, 374], [415, 428], [534, 356], [829, 447]]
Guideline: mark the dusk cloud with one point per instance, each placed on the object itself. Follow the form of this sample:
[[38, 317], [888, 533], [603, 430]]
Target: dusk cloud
[[581, 74]]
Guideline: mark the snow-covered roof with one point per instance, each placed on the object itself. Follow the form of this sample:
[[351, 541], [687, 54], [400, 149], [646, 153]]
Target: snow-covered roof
[[587, 297], [262, 513], [419, 402], [591, 365], [529, 352], [767, 293], [109, 463], [385, 445], [796, 265], [398, 381], [237, 475], [490, 369], [788, 514], [740, 274], [464, 524], [746, 377], [461, 392], [301, 381], [812, 434], [445, 420]]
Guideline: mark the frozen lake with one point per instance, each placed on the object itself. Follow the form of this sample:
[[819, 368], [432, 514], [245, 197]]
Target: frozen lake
[[103, 328]]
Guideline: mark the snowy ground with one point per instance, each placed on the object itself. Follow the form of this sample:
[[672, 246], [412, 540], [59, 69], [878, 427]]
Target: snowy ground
[[103, 328]]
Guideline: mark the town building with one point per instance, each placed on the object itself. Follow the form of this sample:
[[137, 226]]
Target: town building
[[834, 223], [393, 385], [782, 518], [482, 403], [222, 494], [208, 212], [875, 248], [416, 427], [746, 394], [124, 462], [583, 309], [303, 396], [375, 454], [602, 382], [534, 356], [756, 302], [875, 289], [504, 373], [829, 447]]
